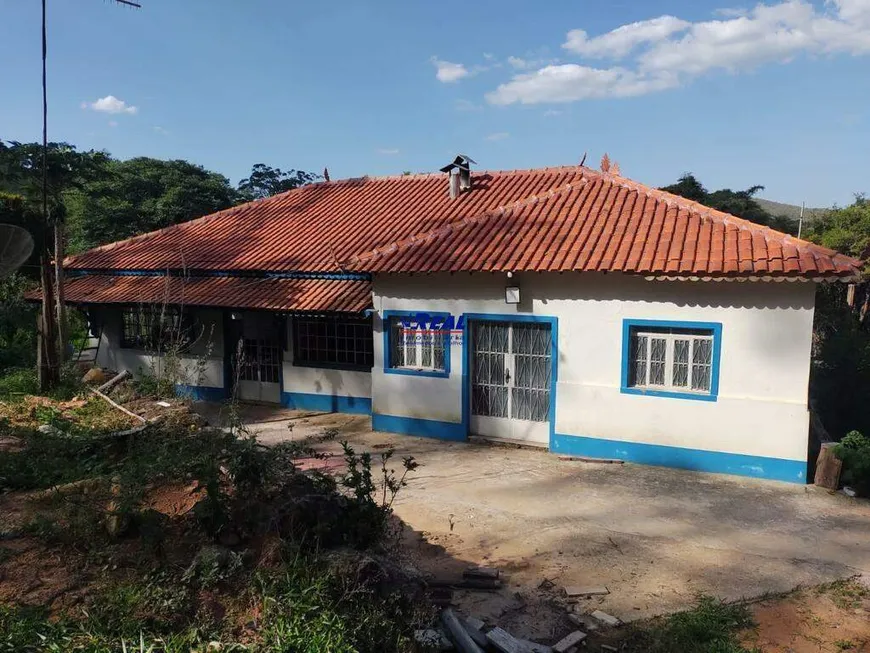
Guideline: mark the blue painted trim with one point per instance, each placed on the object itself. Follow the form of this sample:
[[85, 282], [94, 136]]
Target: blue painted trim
[[386, 317], [327, 403], [779, 469], [466, 359], [200, 392], [351, 276], [714, 327], [426, 428]]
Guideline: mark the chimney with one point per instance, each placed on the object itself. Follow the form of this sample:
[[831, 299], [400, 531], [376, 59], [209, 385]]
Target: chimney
[[455, 183], [459, 175]]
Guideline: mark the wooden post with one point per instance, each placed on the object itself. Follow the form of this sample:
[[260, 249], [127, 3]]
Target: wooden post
[[49, 369], [828, 467]]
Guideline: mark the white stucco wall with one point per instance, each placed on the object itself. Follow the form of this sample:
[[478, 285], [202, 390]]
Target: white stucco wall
[[765, 358], [322, 380], [202, 364]]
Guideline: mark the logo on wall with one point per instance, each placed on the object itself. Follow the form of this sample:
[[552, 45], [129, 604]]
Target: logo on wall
[[423, 325]]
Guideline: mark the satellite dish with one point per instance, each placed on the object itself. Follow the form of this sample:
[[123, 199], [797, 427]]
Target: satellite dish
[[16, 246]]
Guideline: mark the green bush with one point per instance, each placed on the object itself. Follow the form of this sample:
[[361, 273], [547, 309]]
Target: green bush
[[17, 324], [710, 627], [854, 451]]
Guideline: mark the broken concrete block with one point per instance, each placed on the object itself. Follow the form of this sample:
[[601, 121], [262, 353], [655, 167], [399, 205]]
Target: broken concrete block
[[583, 621], [593, 590], [432, 640], [476, 633], [475, 623], [605, 618], [565, 644], [504, 641]]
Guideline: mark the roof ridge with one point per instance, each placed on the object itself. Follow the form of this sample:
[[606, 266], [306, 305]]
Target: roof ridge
[[670, 199], [462, 222]]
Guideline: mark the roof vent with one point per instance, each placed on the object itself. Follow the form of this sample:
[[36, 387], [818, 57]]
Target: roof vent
[[459, 174]]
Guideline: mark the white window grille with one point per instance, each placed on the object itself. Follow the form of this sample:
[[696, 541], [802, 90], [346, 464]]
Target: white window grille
[[414, 347], [671, 359]]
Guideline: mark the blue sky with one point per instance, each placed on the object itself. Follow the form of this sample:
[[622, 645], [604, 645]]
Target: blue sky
[[739, 94]]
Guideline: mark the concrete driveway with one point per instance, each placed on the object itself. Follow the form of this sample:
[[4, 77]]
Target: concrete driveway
[[654, 536]]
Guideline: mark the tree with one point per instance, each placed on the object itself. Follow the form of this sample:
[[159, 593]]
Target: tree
[[143, 194], [740, 203], [41, 175], [266, 181], [846, 230]]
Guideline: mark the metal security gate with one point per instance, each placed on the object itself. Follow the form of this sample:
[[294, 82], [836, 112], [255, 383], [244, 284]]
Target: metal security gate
[[511, 379], [259, 359]]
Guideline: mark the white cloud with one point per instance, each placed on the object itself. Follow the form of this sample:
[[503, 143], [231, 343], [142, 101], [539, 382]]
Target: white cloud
[[572, 82], [667, 52], [110, 104], [388, 151], [498, 136], [518, 63], [448, 72], [621, 41], [160, 130]]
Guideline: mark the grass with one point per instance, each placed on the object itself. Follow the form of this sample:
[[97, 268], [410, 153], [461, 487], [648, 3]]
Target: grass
[[712, 626]]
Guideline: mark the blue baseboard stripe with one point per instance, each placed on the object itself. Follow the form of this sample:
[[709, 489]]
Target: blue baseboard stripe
[[327, 403], [200, 392], [426, 428], [793, 471]]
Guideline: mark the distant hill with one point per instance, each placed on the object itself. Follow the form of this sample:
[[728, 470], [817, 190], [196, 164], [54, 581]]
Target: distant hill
[[791, 211]]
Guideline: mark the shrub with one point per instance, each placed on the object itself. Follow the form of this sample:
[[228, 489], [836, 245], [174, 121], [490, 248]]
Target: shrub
[[854, 451], [710, 627]]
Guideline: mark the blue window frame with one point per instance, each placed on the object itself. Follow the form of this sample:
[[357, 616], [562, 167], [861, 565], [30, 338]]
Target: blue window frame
[[416, 349], [671, 359]]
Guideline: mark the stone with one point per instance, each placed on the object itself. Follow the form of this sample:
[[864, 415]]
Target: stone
[[432, 640], [94, 376]]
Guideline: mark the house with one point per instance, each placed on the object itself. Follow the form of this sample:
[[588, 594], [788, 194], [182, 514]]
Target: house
[[561, 307]]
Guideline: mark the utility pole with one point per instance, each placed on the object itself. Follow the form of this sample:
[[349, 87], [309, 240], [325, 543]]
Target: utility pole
[[52, 337]]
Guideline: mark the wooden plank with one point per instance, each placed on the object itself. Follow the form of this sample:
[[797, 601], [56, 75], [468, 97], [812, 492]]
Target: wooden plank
[[605, 618], [505, 642], [569, 641], [586, 590], [828, 467], [481, 572], [458, 635], [485, 584]]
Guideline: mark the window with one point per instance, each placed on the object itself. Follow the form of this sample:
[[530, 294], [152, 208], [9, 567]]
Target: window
[[412, 348], [341, 342], [154, 327], [671, 359]]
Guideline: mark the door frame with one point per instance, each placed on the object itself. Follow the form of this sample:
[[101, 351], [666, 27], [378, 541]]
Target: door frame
[[468, 318], [230, 350]]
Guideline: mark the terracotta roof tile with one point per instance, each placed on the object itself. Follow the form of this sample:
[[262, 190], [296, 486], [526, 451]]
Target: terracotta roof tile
[[553, 219]]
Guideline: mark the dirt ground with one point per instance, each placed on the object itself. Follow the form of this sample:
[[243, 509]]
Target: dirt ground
[[655, 537]]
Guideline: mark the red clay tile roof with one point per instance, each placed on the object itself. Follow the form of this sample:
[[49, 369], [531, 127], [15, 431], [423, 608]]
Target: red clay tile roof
[[321, 295], [556, 219], [312, 228], [605, 223]]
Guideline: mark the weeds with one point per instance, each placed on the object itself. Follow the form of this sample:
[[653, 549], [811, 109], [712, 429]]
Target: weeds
[[854, 451], [711, 627]]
